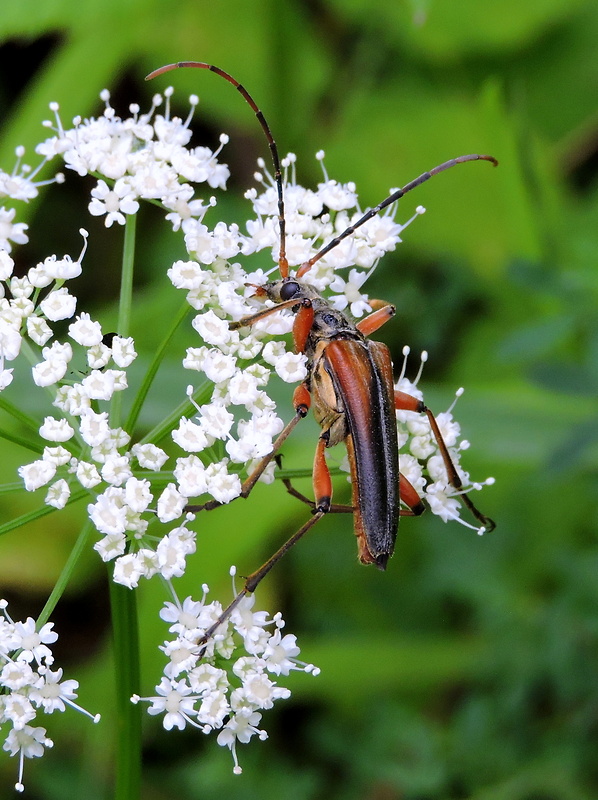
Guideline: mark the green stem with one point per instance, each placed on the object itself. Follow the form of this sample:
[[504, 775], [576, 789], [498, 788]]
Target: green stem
[[125, 303], [67, 571], [31, 516], [18, 414], [153, 368], [123, 601], [9, 436], [123, 607]]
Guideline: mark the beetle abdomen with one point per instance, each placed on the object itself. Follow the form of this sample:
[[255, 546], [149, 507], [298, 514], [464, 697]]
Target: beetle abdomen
[[362, 375]]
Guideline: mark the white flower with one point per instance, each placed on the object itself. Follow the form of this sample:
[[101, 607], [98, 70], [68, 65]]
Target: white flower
[[111, 546], [182, 656], [273, 351], [337, 196], [58, 455], [108, 513], [56, 430], [21, 289], [217, 690], [216, 420], [123, 351], [18, 709], [171, 504], [222, 485], [114, 203], [174, 702], [11, 231], [72, 400], [128, 569], [29, 743], [10, 341], [138, 494], [58, 494], [261, 692], [350, 293], [243, 387], [190, 474], [61, 269], [33, 643], [442, 503], [219, 367], [87, 474], [6, 377], [187, 275], [280, 653], [190, 436], [85, 331], [186, 616], [51, 694], [94, 428], [195, 358], [172, 552], [292, 367], [98, 355], [149, 456], [249, 624], [208, 678], [382, 231], [59, 304], [37, 474], [17, 675], [116, 469], [240, 727], [212, 329], [6, 265], [214, 708], [99, 385], [49, 372]]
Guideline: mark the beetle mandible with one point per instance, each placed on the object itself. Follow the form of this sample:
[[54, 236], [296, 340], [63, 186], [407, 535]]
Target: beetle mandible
[[350, 388]]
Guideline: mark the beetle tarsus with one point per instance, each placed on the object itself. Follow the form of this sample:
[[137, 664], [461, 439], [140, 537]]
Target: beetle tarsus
[[323, 506], [381, 561]]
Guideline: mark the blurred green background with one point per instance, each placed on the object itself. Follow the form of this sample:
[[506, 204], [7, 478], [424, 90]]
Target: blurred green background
[[468, 669]]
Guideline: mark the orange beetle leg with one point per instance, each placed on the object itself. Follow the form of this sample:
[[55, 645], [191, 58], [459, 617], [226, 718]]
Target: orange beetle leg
[[303, 325], [376, 320], [405, 402], [321, 477], [411, 499]]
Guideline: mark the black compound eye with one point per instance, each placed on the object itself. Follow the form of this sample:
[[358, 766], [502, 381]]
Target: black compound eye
[[289, 290]]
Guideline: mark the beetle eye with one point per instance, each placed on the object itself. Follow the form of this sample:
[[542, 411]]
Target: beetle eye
[[289, 290]]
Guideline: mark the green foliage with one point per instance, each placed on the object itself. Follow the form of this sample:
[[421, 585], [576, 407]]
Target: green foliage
[[468, 670]]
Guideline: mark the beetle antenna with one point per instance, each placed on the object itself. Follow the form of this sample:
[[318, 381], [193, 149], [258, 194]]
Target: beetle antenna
[[425, 176], [283, 263]]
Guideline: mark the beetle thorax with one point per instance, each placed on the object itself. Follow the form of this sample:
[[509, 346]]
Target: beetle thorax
[[328, 323]]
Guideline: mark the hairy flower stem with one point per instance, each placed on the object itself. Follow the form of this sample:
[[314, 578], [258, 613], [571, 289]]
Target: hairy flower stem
[[123, 602], [125, 635]]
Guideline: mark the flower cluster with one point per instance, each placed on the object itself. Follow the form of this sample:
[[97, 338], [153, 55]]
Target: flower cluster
[[28, 687], [421, 462], [223, 683], [138, 492], [20, 184], [146, 156]]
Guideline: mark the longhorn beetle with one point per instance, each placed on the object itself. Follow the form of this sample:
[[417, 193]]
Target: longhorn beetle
[[350, 386]]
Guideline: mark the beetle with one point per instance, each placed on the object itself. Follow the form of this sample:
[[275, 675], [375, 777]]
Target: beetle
[[350, 388]]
